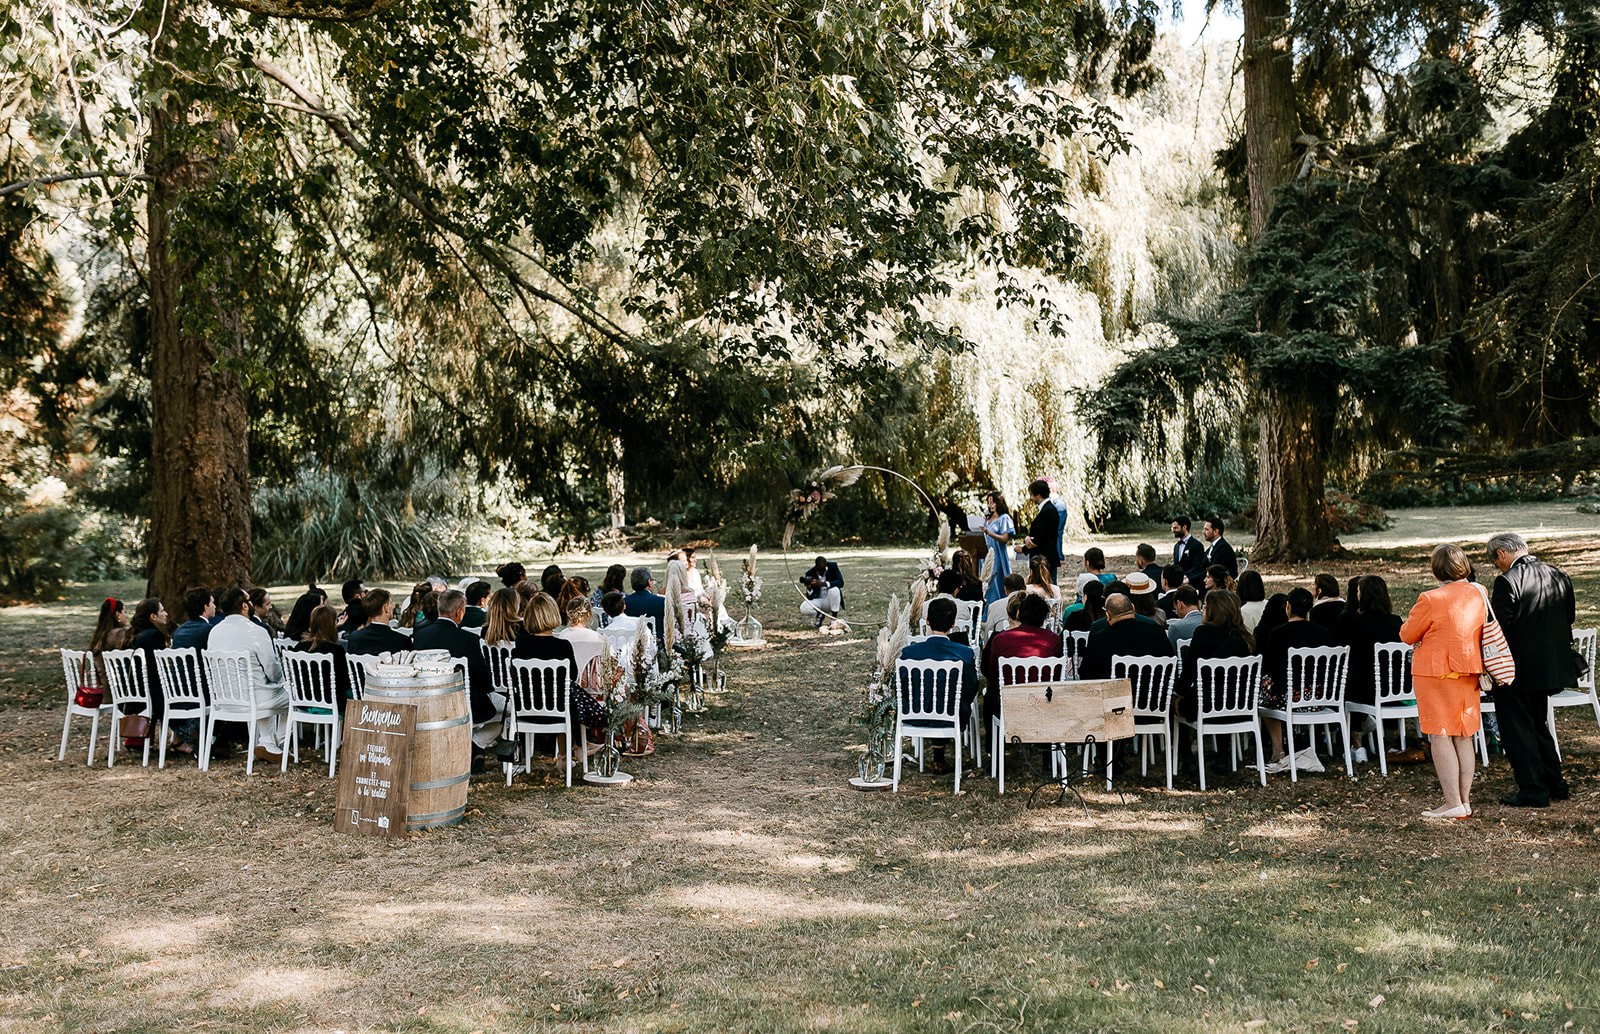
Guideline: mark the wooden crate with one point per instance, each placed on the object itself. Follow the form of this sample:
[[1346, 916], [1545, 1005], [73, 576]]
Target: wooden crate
[[1068, 712]]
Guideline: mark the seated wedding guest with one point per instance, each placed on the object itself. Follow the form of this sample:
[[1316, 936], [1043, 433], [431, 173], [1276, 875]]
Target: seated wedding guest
[[351, 591], [263, 612], [200, 607], [1275, 613], [644, 601], [940, 615], [615, 607], [429, 611], [525, 591], [966, 565], [823, 586], [477, 593], [111, 629], [1094, 569], [1112, 588], [1027, 638], [1040, 579], [1142, 592], [1217, 577], [412, 609], [217, 593], [1082, 616], [614, 581], [1297, 632], [1186, 605], [1171, 578], [947, 584], [445, 633], [236, 633], [1221, 635], [1329, 605], [1144, 558], [511, 575], [550, 581], [1371, 622], [149, 629], [502, 617], [586, 642], [110, 633], [322, 636], [1253, 595], [375, 636], [537, 641], [571, 589], [300, 616], [996, 617], [1124, 636]]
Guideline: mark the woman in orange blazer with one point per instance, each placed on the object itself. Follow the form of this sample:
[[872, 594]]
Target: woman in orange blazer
[[1446, 629]]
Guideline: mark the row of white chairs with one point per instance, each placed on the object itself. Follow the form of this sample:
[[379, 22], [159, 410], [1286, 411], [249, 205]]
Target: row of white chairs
[[1228, 701]]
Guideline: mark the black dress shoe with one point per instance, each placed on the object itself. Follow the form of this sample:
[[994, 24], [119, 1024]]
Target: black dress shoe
[[1517, 800], [1561, 792]]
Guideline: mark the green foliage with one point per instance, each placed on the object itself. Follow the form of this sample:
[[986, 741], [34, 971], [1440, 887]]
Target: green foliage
[[324, 526], [39, 551]]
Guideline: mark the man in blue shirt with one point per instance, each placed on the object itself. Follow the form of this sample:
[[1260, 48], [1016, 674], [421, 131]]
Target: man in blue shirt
[[201, 607], [941, 618], [644, 601]]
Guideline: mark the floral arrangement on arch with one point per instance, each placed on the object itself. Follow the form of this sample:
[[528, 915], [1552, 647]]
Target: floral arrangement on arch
[[879, 703]]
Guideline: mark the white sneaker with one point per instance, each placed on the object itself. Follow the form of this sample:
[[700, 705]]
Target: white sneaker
[[1307, 761], [1360, 755]]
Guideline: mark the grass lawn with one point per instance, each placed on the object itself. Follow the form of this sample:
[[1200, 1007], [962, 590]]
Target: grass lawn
[[739, 884]]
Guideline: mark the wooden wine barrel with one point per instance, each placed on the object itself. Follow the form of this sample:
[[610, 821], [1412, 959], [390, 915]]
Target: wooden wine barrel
[[441, 749]]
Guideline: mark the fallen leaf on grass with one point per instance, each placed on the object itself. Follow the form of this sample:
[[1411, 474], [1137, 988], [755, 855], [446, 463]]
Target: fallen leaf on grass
[[1312, 964], [1377, 1000]]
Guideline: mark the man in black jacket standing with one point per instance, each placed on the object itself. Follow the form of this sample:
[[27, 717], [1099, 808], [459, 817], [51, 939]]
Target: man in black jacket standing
[[1044, 534], [1187, 552], [1218, 549], [1535, 607]]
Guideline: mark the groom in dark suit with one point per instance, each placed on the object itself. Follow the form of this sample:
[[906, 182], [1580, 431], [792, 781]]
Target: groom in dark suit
[[1535, 607], [1187, 552], [1044, 534], [1218, 550]]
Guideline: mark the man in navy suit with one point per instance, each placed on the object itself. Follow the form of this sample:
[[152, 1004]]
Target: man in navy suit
[[1044, 534], [941, 618], [644, 601]]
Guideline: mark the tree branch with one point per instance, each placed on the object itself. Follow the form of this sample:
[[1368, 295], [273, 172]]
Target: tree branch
[[67, 177], [584, 312], [311, 10]]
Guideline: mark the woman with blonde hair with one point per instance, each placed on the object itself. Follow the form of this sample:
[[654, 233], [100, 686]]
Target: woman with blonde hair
[[504, 617], [1445, 629]]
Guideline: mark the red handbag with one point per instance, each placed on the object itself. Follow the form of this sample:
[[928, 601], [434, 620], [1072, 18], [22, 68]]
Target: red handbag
[[88, 696]]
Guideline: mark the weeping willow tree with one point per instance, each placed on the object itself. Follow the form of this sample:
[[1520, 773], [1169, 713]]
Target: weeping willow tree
[[1383, 258]]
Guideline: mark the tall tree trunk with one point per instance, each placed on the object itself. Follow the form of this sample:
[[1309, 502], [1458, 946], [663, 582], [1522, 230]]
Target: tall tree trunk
[[1270, 122], [1291, 512], [199, 452]]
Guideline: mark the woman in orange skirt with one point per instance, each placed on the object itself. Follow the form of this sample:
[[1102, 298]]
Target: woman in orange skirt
[[1446, 630]]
